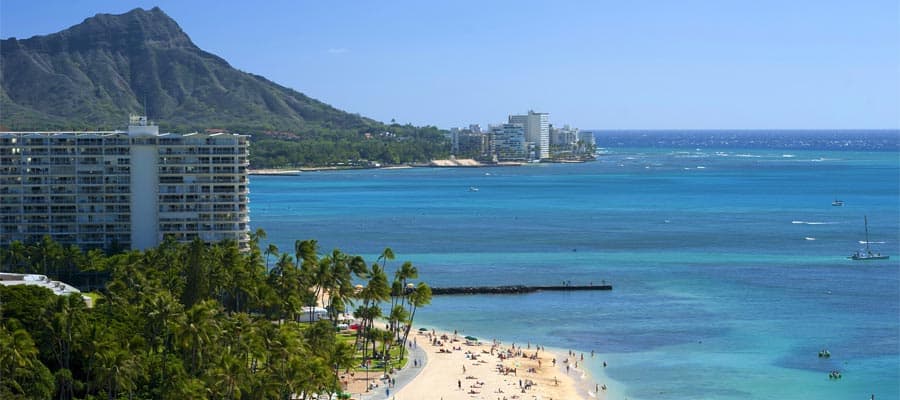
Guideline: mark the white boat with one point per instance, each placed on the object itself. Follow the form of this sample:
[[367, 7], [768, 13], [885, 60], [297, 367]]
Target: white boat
[[473, 189], [867, 254]]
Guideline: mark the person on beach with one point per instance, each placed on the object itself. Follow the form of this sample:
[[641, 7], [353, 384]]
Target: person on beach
[[459, 384]]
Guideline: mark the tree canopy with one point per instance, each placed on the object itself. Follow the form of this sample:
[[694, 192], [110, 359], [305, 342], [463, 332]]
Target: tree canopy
[[193, 320]]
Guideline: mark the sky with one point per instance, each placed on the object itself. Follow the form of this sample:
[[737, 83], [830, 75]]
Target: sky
[[601, 64]]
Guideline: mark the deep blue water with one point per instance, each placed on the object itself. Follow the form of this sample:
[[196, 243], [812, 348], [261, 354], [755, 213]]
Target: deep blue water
[[729, 265]]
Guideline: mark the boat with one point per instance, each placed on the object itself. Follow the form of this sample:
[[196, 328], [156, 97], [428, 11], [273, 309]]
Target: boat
[[866, 255], [838, 203], [473, 189]]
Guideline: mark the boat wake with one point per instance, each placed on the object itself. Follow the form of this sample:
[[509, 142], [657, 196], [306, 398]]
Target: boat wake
[[813, 223], [810, 238]]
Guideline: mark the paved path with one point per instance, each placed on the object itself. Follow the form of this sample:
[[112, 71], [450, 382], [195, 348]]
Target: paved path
[[403, 376]]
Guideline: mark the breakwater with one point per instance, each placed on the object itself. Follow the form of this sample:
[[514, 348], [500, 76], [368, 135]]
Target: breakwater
[[515, 289]]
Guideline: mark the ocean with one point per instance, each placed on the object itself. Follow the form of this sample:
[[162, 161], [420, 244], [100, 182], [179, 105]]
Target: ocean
[[728, 260]]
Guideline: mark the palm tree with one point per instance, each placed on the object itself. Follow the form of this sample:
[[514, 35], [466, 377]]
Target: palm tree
[[399, 291], [22, 375], [375, 291], [418, 297], [386, 254], [228, 376], [286, 280], [117, 370], [337, 270], [61, 320], [16, 258], [197, 334], [271, 250]]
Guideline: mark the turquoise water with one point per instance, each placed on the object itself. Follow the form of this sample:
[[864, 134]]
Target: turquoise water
[[729, 266]]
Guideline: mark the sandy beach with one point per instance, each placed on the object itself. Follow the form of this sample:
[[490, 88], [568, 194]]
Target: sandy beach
[[448, 367]]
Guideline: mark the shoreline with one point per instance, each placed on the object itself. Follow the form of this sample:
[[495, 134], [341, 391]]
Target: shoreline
[[454, 368], [431, 164]]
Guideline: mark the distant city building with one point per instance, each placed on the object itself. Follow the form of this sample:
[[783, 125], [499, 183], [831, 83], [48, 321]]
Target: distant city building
[[474, 144], [469, 142], [587, 137], [537, 130], [454, 141], [564, 137], [123, 189], [508, 142]]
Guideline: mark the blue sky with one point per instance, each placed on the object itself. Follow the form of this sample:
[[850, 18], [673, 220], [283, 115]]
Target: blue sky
[[592, 64]]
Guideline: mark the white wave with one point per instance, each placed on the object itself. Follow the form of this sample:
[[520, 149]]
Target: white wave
[[701, 167], [813, 223], [810, 238], [788, 156], [870, 242], [747, 155]]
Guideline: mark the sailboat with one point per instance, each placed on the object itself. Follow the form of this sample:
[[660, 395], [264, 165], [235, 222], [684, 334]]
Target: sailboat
[[868, 254]]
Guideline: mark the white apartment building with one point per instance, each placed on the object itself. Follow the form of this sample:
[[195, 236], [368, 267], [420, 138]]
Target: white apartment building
[[565, 136], [537, 130], [125, 189], [587, 137], [508, 142]]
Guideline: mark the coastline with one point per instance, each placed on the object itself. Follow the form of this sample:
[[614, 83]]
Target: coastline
[[448, 366], [444, 163]]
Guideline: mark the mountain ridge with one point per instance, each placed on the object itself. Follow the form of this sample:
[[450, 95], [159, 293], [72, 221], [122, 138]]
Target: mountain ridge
[[92, 75]]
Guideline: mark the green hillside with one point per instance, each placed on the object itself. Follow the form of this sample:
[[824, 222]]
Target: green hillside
[[94, 74]]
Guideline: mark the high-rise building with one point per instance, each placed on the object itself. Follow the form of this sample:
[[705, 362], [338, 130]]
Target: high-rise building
[[563, 137], [587, 137], [537, 130], [126, 189], [508, 142]]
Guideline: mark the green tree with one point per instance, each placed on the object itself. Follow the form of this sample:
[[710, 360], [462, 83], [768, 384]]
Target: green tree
[[420, 296], [22, 374]]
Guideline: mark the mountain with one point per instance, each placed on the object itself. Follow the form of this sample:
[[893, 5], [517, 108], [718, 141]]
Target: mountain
[[94, 74]]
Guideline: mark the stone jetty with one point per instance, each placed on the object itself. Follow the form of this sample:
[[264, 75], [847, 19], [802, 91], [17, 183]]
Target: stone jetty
[[515, 289]]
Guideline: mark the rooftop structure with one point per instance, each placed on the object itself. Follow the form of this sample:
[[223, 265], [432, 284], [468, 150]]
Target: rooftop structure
[[58, 288]]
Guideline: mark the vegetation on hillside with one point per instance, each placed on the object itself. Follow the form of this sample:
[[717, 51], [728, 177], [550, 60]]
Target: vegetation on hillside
[[94, 74], [198, 321]]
